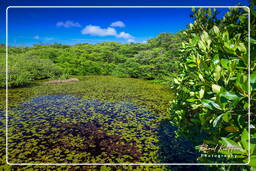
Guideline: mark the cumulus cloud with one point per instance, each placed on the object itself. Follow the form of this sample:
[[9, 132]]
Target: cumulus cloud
[[36, 37], [130, 40], [68, 24], [109, 31], [124, 35], [117, 24], [43, 38], [98, 31]]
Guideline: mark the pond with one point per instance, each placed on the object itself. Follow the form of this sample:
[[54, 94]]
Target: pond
[[100, 119]]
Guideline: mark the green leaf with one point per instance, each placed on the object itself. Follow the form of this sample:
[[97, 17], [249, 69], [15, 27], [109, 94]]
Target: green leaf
[[224, 63], [201, 77], [216, 120], [253, 41], [216, 59], [191, 100], [229, 95], [229, 48], [243, 17], [229, 143], [252, 161], [210, 104], [216, 74], [242, 82], [242, 47], [244, 139], [216, 88], [201, 93], [176, 81], [202, 45], [225, 36], [205, 36], [206, 103], [253, 144], [253, 80], [209, 12], [216, 29], [234, 148], [226, 116]]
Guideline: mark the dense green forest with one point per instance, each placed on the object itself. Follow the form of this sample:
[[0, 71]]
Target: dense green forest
[[193, 87], [152, 60]]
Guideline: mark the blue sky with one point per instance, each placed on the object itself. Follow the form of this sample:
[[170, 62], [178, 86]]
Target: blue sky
[[29, 26]]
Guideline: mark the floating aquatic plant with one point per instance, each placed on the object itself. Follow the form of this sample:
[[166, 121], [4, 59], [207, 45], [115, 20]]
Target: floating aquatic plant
[[49, 128]]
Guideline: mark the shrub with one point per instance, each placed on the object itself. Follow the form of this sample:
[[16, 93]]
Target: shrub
[[211, 104], [23, 69]]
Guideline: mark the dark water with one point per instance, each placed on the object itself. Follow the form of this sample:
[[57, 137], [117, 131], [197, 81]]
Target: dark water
[[69, 129], [47, 120]]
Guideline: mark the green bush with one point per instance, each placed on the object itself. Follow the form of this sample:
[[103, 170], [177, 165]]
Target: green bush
[[211, 88], [22, 69], [128, 69]]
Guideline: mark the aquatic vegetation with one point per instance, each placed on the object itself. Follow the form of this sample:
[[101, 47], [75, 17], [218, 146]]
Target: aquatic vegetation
[[46, 116], [91, 130], [2, 138]]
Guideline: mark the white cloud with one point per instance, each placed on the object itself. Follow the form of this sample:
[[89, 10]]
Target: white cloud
[[36, 37], [43, 38], [117, 24], [68, 24], [124, 35], [98, 31], [130, 40], [110, 31]]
